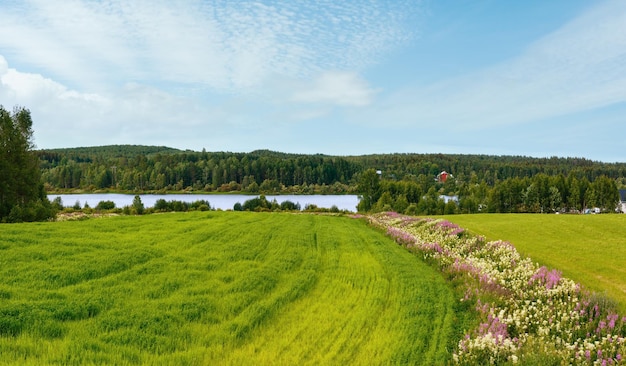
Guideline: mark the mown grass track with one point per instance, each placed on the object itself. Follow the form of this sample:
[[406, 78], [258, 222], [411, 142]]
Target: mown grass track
[[219, 288], [590, 249]]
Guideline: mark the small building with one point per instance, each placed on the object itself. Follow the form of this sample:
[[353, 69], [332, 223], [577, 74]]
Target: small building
[[443, 176]]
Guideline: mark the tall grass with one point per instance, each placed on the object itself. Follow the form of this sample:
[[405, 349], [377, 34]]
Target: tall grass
[[219, 288], [590, 249]]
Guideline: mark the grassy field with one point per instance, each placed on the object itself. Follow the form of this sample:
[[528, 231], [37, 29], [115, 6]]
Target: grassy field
[[219, 288], [590, 249]]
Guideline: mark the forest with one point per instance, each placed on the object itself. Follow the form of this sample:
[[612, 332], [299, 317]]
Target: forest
[[408, 183]]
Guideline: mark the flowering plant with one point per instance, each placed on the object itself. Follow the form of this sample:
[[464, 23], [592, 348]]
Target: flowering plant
[[526, 310]]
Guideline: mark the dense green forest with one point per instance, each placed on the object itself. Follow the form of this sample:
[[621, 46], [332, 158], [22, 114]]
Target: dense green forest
[[141, 168], [404, 182]]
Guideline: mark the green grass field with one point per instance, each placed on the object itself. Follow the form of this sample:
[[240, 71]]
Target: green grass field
[[219, 288], [590, 249]]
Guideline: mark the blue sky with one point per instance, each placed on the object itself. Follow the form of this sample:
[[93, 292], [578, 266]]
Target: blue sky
[[533, 78]]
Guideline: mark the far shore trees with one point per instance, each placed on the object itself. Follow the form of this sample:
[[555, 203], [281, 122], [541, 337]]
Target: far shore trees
[[369, 188], [22, 196]]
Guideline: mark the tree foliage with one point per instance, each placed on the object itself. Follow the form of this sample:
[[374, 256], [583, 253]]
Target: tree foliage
[[22, 197], [406, 183], [126, 168], [369, 189]]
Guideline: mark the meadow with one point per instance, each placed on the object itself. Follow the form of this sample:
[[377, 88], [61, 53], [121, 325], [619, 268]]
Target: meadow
[[589, 249], [220, 288], [530, 314]]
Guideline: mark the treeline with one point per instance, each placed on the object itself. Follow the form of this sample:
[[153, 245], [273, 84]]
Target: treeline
[[540, 193], [147, 168], [256, 204], [164, 170], [136, 208], [404, 182], [486, 168]]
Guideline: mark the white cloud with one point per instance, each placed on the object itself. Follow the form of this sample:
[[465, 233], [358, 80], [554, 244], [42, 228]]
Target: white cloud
[[66, 117], [180, 73], [34, 89], [224, 46], [4, 66]]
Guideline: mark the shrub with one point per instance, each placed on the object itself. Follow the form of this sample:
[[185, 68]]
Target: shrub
[[257, 204], [289, 206], [138, 205], [40, 210], [201, 205], [161, 205], [105, 205]]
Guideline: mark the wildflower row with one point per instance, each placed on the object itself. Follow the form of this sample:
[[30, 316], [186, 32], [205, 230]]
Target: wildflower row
[[528, 312]]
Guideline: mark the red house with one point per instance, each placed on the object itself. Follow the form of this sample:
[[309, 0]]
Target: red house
[[443, 176]]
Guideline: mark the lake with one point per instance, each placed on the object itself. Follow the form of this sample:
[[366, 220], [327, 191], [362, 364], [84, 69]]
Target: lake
[[217, 201]]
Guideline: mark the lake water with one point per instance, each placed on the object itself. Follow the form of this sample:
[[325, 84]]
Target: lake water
[[217, 201]]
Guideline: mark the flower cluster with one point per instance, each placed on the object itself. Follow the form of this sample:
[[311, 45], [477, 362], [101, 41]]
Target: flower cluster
[[526, 309]]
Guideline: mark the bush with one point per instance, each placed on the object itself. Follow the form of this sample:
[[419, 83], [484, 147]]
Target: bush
[[311, 207], [105, 205], [289, 206], [138, 205], [40, 210], [256, 204], [201, 205], [161, 205], [57, 204]]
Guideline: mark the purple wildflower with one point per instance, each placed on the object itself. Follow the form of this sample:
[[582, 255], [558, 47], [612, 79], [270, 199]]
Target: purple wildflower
[[495, 327], [552, 278], [400, 236], [450, 228], [548, 278]]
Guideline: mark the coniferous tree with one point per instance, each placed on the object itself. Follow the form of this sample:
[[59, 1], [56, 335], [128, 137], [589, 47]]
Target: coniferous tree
[[22, 197]]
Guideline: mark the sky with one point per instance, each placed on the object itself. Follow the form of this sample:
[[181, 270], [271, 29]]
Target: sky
[[533, 78]]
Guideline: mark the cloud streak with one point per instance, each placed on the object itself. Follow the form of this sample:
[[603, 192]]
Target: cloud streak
[[579, 67], [118, 72], [262, 74], [224, 46]]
